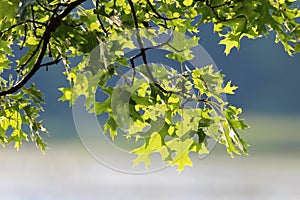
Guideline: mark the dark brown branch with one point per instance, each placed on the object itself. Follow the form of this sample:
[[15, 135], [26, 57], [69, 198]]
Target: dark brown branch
[[102, 25], [208, 4], [139, 40], [69, 8], [53, 62], [142, 49], [180, 93], [213, 8], [21, 23], [135, 20], [100, 21], [33, 20], [134, 71], [151, 47], [53, 24], [35, 68], [144, 57], [30, 58], [25, 37]]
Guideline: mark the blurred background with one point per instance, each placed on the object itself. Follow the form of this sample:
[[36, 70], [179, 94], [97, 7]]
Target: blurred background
[[269, 86]]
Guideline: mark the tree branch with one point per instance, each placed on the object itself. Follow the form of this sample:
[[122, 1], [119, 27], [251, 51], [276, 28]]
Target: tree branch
[[25, 37], [53, 62], [143, 51], [157, 14], [139, 40], [20, 23], [30, 58], [100, 21], [53, 24], [208, 3], [135, 20]]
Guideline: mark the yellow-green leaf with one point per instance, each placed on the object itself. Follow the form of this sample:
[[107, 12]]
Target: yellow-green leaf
[[187, 2], [230, 89]]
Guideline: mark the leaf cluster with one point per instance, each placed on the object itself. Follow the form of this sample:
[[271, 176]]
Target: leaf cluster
[[153, 98], [171, 112]]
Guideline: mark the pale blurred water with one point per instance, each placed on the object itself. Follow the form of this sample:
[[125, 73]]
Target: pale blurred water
[[69, 172]]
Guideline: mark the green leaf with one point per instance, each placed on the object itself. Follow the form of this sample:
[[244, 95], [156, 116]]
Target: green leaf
[[143, 153], [67, 94], [200, 148], [181, 158], [101, 107], [111, 127], [187, 2], [230, 42], [230, 89]]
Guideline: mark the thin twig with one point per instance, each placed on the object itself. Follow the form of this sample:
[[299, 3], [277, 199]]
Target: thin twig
[[100, 21], [212, 8], [21, 23], [157, 14], [143, 50], [30, 58], [25, 37], [139, 40], [53, 62], [48, 9], [33, 21]]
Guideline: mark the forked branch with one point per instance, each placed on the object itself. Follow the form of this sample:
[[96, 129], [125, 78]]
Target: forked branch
[[53, 23]]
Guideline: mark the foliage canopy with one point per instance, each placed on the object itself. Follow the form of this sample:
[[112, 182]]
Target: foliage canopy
[[174, 111]]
